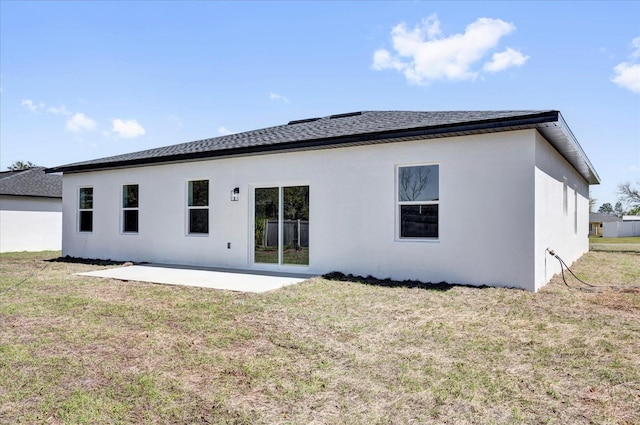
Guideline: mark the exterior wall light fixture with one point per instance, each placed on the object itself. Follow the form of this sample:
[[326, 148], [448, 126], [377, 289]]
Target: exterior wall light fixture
[[235, 194]]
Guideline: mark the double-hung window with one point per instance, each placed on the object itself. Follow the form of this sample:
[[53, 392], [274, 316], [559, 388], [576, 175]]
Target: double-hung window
[[418, 201], [85, 209], [198, 207], [130, 208]]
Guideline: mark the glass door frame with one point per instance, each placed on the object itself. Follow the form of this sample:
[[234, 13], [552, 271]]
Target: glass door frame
[[281, 219]]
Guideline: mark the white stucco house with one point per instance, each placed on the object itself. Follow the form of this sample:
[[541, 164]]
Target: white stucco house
[[30, 210], [467, 197]]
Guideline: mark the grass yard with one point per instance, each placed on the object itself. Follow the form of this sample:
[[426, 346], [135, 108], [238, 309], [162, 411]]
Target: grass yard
[[84, 350], [600, 239], [631, 244]]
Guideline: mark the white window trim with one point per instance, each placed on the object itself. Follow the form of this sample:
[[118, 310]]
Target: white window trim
[[189, 208], [123, 209], [398, 204], [79, 210]]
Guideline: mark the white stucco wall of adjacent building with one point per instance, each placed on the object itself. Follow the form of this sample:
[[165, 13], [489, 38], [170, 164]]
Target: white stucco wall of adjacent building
[[492, 211], [30, 223]]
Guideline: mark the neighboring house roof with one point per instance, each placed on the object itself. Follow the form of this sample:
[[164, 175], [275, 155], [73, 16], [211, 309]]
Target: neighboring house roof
[[358, 128], [31, 182], [602, 218]]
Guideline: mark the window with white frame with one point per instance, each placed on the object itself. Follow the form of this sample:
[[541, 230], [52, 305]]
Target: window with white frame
[[198, 207], [418, 201], [85, 209], [130, 208]]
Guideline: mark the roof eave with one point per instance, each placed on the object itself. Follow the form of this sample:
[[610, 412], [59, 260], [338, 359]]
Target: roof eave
[[475, 127], [562, 139], [22, 195]]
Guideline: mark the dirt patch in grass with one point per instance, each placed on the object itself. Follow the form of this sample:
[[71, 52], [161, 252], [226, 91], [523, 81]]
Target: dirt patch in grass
[[80, 350]]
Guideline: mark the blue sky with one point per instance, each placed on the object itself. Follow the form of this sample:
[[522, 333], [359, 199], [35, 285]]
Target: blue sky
[[83, 80]]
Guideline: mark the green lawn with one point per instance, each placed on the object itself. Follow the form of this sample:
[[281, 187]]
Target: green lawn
[[598, 239], [83, 350]]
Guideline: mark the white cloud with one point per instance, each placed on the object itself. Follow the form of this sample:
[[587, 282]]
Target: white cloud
[[79, 122], [32, 106], [636, 45], [503, 60], [127, 129], [58, 111], [423, 54], [224, 131], [627, 74], [275, 97]]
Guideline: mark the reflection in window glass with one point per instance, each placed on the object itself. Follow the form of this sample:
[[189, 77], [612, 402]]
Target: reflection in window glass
[[266, 228], [282, 237], [130, 196], [85, 207], [416, 184], [130, 208], [419, 221], [199, 221], [418, 200], [86, 198], [198, 206], [199, 193], [295, 226]]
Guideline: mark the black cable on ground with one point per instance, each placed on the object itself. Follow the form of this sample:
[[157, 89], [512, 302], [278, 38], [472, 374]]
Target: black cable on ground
[[591, 288]]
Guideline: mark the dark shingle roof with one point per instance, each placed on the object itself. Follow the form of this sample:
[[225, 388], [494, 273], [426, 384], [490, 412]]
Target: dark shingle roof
[[346, 130], [31, 182]]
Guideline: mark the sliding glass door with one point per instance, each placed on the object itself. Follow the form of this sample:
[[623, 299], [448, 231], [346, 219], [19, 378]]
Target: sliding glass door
[[281, 225]]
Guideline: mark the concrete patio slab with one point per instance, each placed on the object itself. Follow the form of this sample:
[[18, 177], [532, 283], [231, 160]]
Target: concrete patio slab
[[242, 281]]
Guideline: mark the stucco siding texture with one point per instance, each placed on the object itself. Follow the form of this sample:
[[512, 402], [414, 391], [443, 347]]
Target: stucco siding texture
[[487, 188], [30, 224], [561, 218]]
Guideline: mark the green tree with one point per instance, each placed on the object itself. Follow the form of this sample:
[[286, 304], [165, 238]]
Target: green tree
[[20, 165], [618, 210], [606, 208]]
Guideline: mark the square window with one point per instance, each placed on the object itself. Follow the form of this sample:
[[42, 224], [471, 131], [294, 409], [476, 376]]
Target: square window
[[418, 201], [199, 221], [419, 221]]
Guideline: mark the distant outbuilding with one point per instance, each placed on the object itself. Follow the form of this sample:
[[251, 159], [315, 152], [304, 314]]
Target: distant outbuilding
[[30, 210], [597, 220]]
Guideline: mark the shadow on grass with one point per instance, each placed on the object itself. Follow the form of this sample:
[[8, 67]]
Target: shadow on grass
[[89, 261], [389, 283]]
